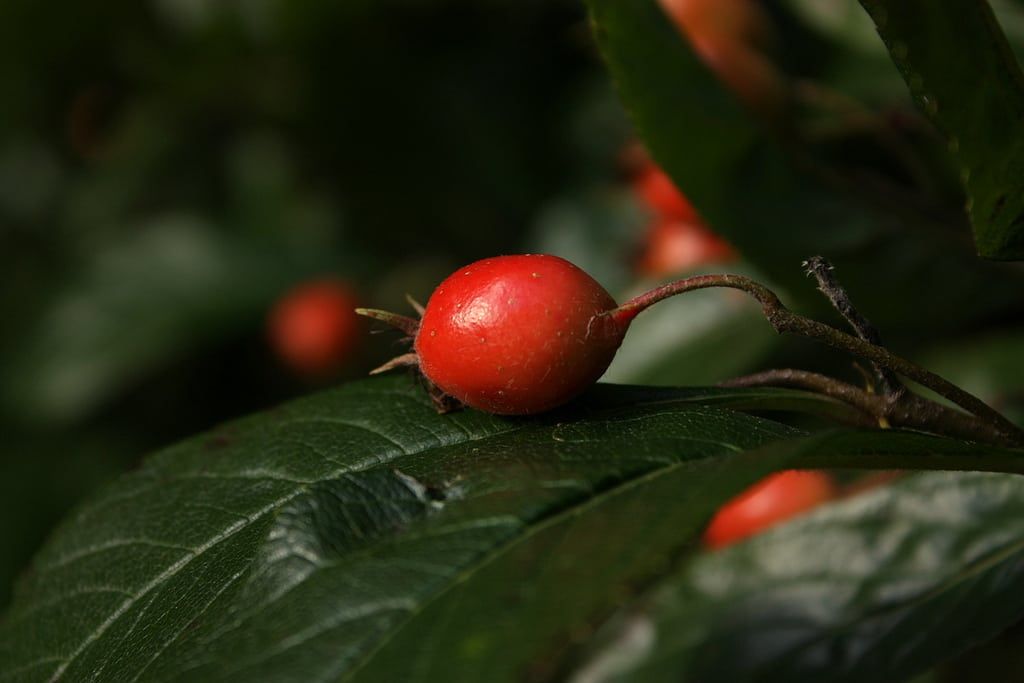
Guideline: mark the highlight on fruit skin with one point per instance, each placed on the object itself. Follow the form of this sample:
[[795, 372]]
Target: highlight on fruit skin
[[773, 500], [312, 328]]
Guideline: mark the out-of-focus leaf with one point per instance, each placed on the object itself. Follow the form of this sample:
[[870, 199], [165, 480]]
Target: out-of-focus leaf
[[964, 77], [778, 210], [990, 367], [879, 587], [153, 297], [357, 533], [844, 21], [596, 231], [1010, 14], [848, 57]]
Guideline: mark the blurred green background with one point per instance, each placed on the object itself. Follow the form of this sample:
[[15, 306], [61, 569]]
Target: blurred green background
[[169, 168]]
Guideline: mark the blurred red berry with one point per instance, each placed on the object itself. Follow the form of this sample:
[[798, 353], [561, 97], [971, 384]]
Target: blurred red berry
[[314, 328], [673, 246], [774, 499], [653, 186], [729, 35]]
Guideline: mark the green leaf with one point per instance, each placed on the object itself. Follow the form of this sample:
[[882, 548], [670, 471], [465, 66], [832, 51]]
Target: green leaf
[[357, 533], [878, 587], [777, 205], [965, 78]]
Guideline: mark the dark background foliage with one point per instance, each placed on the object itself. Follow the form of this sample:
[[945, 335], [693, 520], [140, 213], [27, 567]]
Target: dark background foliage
[[169, 168]]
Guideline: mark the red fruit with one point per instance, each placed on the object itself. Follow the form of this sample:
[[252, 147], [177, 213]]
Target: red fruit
[[313, 328], [774, 499], [727, 35], [658, 192], [748, 73], [517, 335], [673, 246], [714, 22]]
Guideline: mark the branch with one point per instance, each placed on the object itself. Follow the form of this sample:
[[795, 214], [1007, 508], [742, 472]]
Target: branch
[[785, 321]]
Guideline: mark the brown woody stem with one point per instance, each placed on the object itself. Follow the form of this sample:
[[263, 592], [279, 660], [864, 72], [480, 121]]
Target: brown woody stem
[[828, 285], [785, 321], [905, 410]]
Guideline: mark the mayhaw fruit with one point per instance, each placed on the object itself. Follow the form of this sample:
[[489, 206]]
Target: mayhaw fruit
[[513, 335], [776, 498], [312, 328], [516, 335]]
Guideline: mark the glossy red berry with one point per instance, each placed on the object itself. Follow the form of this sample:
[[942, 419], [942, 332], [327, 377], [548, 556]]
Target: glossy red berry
[[517, 335], [313, 328], [774, 499]]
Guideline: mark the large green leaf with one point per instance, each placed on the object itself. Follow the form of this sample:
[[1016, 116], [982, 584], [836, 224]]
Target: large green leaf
[[358, 533], [776, 203], [878, 587], [963, 75]]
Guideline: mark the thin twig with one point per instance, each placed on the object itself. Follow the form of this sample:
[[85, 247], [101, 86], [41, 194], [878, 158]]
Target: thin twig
[[823, 272], [903, 410], [803, 379], [785, 321]]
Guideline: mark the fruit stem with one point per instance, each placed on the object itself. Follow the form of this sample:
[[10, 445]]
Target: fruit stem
[[784, 321]]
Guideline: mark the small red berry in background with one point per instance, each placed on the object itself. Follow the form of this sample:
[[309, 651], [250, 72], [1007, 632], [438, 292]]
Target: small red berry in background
[[314, 328], [728, 35], [656, 190], [673, 246], [776, 498], [677, 238]]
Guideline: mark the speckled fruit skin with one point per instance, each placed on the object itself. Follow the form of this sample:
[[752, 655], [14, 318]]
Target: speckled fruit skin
[[313, 328], [517, 335], [772, 500]]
